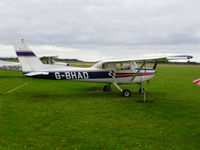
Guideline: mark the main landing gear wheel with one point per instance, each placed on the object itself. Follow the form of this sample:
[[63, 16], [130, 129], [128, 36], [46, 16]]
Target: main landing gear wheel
[[126, 93], [141, 90], [107, 88]]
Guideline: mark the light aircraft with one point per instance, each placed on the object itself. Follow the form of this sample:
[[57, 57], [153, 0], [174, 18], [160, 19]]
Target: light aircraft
[[107, 71]]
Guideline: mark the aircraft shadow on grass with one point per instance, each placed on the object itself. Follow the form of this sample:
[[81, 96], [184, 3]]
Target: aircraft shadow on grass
[[94, 94]]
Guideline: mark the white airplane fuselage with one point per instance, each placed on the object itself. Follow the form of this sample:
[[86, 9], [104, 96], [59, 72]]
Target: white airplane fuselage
[[93, 74]]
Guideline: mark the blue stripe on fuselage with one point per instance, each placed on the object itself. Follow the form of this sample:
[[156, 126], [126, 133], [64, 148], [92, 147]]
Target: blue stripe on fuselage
[[73, 75], [25, 53], [144, 69]]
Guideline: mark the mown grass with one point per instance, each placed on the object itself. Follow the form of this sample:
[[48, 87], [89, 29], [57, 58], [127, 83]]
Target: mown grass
[[47, 114]]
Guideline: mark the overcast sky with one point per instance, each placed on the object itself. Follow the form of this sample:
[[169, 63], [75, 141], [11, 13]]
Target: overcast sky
[[104, 29]]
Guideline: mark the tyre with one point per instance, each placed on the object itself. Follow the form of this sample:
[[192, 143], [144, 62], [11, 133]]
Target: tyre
[[106, 88], [126, 93], [141, 90]]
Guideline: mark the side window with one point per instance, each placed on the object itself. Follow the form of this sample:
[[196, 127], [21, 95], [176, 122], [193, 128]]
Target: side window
[[123, 66], [105, 66], [118, 66], [126, 66]]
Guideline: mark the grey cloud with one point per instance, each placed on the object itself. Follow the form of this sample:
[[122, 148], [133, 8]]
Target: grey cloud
[[106, 25]]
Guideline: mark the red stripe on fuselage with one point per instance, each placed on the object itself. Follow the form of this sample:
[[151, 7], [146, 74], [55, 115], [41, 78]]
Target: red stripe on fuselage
[[139, 73], [121, 75], [133, 73]]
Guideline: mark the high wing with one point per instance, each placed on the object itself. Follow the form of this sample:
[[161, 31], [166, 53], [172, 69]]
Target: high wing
[[177, 57], [154, 59]]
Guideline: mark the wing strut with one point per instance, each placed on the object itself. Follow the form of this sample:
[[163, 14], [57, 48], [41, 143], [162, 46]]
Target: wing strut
[[144, 62], [155, 65]]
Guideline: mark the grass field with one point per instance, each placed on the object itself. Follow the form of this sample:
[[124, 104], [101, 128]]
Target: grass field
[[49, 115]]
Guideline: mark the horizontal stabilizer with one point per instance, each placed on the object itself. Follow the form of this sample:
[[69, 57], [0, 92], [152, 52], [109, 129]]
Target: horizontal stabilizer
[[36, 73]]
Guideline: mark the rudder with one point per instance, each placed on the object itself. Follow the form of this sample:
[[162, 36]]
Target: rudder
[[27, 58]]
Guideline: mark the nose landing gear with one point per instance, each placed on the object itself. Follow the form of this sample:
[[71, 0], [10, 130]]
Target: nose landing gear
[[141, 89]]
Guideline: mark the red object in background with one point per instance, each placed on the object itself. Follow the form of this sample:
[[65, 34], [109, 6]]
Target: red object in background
[[197, 82]]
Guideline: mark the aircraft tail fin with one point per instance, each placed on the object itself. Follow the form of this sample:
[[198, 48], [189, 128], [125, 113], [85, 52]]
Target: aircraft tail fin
[[27, 58]]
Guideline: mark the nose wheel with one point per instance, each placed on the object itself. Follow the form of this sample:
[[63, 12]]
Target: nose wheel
[[141, 90]]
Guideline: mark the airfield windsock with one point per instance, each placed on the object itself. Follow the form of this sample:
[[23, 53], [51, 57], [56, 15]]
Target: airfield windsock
[[27, 58]]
